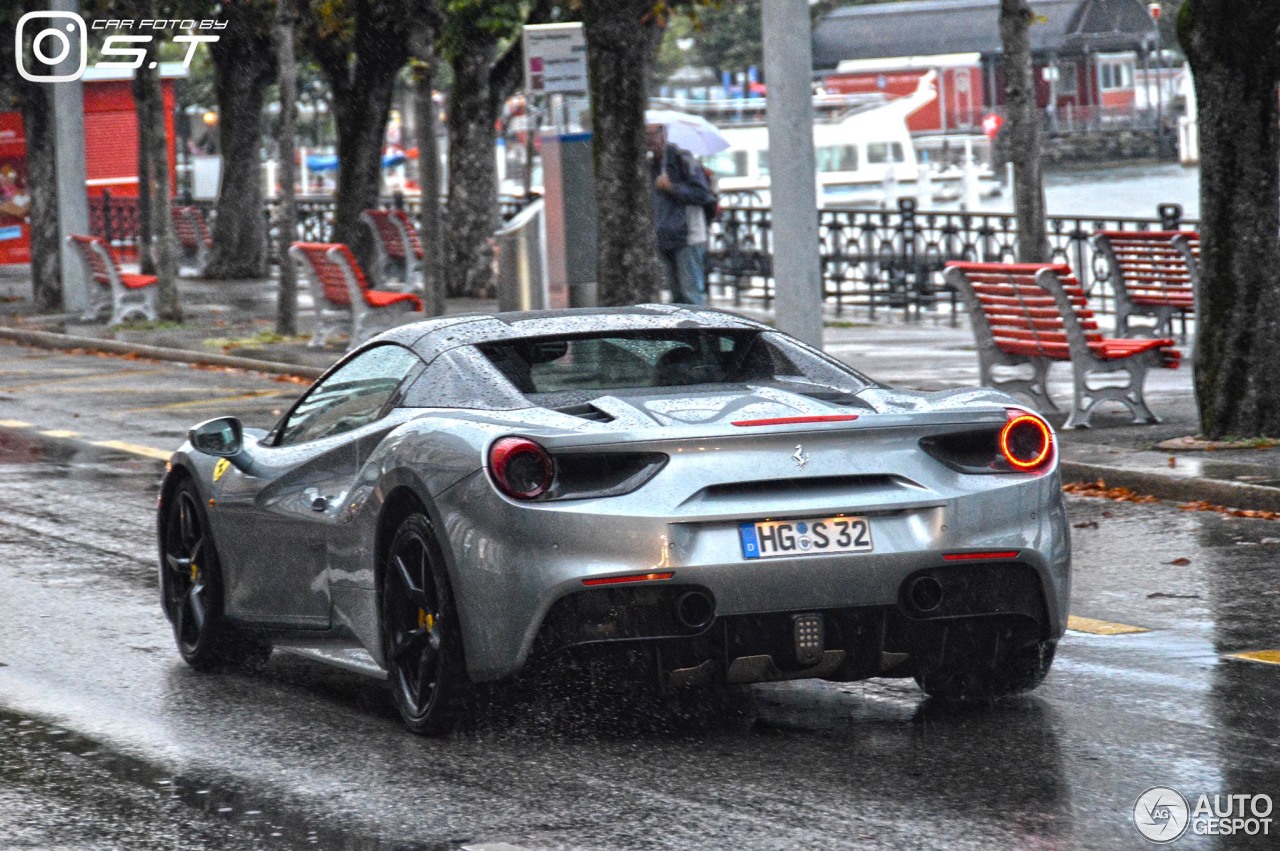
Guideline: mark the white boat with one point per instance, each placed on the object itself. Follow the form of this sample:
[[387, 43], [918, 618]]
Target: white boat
[[864, 156]]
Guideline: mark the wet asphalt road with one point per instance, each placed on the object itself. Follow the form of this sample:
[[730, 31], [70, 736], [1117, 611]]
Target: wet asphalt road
[[108, 741]]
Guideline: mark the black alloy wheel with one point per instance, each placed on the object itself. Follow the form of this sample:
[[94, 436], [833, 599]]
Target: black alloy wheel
[[191, 591], [420, 632]]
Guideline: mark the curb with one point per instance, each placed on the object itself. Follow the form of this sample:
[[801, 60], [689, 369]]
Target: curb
[[1177, 489], [50, 340]]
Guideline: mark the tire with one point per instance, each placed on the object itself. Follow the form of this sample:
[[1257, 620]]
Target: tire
[[975, 678], [191, 589], [422, 641]]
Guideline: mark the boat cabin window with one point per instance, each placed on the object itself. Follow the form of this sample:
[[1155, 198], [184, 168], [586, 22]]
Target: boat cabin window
[[837, 158], [728, 164], [883, 152]]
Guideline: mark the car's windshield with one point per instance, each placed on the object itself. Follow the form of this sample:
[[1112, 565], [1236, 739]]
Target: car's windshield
[[573, 366]]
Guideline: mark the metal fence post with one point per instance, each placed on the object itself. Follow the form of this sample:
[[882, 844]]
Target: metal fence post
[[1170, 216], [106, 217]]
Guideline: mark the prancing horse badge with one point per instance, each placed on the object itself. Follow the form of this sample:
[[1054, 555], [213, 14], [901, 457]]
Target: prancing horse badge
[[799, 457]]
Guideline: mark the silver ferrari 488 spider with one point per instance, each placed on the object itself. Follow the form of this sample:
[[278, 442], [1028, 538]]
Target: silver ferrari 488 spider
[[464, 495]]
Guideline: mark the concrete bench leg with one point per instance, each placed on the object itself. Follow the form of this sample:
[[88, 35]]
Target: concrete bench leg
[[1035, 388], [328, 323], [1130, 395], [125, 303], [100, 302]]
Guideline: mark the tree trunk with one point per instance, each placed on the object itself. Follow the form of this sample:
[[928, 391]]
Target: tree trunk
[[473, 175], [362, 112], [621, 40], [1232, 50], [362, 71], [46, 272], [286, 141], [1022, 124], [159, 190], [429, 213], [144, 109], [243, 68]]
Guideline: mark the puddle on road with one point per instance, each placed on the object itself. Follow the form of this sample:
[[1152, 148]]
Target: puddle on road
[[66, 459], [27, 742]]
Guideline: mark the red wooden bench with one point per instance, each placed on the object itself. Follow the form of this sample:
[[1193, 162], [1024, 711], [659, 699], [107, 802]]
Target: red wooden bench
[[343, 298], [193, 234], [397, 244], [122, 293], [1151, 275], [1036, 314]]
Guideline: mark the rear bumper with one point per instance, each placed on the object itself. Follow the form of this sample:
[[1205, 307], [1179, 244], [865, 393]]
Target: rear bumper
[[512, 565], [854, 643]]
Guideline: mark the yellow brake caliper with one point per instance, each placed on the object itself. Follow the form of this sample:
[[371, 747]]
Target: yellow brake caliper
[[425, 619]]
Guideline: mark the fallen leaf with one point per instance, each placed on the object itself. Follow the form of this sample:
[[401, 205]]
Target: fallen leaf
[[1180, 562], [1088, 524]]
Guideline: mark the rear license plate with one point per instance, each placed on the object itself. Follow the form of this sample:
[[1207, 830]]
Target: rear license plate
[[774, 538]]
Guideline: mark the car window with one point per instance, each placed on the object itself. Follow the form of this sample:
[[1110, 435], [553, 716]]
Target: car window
[[351, 397], [557, 370]]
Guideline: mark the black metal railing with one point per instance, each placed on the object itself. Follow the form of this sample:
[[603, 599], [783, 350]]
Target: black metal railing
[[116, 219], [872, 261], [878, 260]]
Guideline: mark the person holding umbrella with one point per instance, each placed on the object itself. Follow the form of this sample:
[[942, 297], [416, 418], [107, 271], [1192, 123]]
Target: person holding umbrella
[[679, 183]]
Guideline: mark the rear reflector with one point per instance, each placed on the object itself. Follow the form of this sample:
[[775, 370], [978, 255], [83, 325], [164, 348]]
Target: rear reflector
[[973, 556], [638, 577], [830, 418]]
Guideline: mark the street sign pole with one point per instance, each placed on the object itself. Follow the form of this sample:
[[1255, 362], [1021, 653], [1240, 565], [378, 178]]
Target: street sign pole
[[73, 205], [1155, 10], [788, 65]]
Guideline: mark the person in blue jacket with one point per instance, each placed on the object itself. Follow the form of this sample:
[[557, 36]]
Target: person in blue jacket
[[677, 184]]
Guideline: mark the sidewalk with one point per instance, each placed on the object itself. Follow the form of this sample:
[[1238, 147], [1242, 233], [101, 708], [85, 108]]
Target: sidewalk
[[231, 323]]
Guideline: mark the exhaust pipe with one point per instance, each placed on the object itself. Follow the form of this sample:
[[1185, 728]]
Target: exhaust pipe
[[695, 610], [925, 594]]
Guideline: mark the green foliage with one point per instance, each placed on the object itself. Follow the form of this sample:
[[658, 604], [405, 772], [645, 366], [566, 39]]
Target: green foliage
[[471, 22], [727, 34]]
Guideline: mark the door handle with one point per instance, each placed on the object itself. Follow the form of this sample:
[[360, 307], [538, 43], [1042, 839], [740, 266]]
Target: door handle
[[320, 503]]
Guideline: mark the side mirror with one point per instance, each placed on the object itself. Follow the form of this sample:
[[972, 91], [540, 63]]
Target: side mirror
[[222, 437]]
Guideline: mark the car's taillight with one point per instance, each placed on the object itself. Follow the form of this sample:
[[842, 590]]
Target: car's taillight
[[520, 468], [1026, 442]]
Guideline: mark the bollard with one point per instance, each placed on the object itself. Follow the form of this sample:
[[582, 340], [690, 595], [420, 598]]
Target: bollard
[[1170, 216]]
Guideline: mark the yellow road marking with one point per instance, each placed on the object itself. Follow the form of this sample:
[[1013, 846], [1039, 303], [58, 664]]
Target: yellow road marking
[[78, 379], [118, 445], [134, 449], [1097, 627], [204, 403], [1267, 657]]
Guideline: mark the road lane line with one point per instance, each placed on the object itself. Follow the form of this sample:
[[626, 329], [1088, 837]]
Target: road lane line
[[1097, 627], [117, 445], [80, 379], [1266, 657], [134, 449], [205, 403]]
